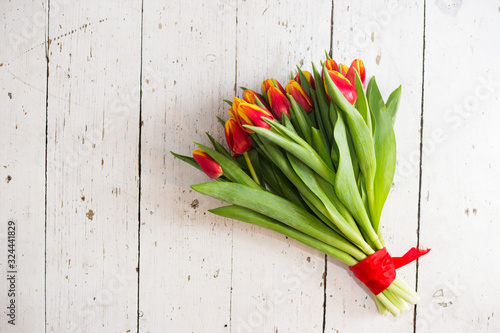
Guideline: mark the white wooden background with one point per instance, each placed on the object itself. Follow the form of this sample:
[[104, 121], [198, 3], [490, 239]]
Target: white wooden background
[[110, 237]]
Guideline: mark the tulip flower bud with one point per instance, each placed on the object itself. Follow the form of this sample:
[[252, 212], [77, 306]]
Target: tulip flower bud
[[271, 83], [249, 96], [249, 114], [279, 103], [308, 76], [343, 69], [331, 65], [207, 164], [345, 87], [360, 67], [299, 95], [238, 140]]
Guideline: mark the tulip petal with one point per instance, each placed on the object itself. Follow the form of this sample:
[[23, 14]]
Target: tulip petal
[[345, 87], [279, 103], [237, 139], [207, 164], [231, 169], [301, 97]]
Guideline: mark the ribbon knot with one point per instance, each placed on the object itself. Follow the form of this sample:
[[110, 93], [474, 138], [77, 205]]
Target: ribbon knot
[[377, 271]]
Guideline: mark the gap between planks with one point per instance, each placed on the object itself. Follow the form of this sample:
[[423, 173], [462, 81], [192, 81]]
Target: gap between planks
[[420, 165]]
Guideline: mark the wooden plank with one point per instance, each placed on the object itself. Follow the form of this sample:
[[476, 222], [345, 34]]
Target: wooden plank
[[277, 283], [92, 192], [22, 162], [387, 36], [460, 192], [188, 68]]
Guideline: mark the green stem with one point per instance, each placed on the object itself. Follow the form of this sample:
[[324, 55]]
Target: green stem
[[388, 304], [250, 167], [370, 193], [381, 307]]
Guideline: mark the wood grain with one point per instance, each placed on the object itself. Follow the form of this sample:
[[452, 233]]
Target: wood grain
[[188, 68], [112, 239], [92, 166], [23, 75], [460, 184]]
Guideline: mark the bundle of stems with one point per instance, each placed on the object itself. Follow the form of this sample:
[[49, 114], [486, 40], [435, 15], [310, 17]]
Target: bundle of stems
[[317, 169]]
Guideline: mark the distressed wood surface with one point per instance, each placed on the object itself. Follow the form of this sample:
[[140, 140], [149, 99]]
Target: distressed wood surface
[[112, 239], [460, 185], [92, 166], [23, 76], [188, 68]]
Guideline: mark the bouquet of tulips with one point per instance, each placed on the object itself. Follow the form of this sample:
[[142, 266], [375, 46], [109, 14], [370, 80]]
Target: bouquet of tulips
[[315, 161]]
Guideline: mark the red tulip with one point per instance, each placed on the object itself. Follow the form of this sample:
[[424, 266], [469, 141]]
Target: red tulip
[[238, 140], [345, 87], [279, 103], [250, 114], [207, 164], [271, 83], [308, 76], [299, 95], [250, 96], [356, 65]]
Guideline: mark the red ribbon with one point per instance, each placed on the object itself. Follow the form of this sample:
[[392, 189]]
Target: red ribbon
[[378, 270]]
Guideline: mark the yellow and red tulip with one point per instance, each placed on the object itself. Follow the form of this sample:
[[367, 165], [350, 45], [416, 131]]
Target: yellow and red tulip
[[343, 69], [250, 96], [207, 164], [294, 89], [232, 113], [238, 140], [358, 66], [250, 114], [343, 84], [271, 83], [308, 76], [331, 65], [279, 103]]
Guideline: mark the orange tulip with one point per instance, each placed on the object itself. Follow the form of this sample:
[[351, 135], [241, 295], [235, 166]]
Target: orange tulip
[[207, 164], [343, 84], [250, 114], [250, 96], [308, 76], [299, 95], [360, 67], [238, 140], [279, 103], [271, 83]]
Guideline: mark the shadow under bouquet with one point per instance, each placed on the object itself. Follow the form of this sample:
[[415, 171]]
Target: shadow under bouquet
[[315, 161]]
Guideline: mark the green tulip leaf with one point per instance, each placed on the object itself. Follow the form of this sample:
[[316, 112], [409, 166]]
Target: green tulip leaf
[[302, 120], [361, 135], [385, 150], [304, 82], [279, 209], [346, 186], [362, 103], [308, 156], [250, 216], [392, 104]]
